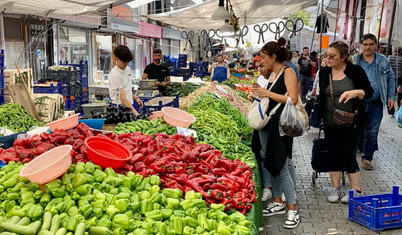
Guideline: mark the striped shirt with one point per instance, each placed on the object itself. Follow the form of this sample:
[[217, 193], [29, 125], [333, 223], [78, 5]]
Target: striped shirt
[[396, 64]]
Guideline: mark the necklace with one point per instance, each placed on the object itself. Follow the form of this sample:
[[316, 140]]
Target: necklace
[[277, 74]]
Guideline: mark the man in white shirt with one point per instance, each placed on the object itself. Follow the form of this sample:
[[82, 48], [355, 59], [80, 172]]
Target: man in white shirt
[[120, 86]]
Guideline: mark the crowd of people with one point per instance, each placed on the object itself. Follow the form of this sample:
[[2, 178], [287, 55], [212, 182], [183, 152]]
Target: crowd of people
[[351, 92]]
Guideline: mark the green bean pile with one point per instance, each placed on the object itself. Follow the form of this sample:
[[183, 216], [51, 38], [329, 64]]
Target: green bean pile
[[15, 117], [208, 102]]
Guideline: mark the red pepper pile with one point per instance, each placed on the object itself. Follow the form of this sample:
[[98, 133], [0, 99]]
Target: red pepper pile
[[178, 160]]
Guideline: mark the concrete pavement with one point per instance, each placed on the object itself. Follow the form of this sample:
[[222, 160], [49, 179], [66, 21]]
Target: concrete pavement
[[321, 217]]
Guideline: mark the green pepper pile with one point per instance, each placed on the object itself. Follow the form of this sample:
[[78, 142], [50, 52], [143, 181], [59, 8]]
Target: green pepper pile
[[181, 89], [87, 199], [216, 115], [15, 117], [146, 127]]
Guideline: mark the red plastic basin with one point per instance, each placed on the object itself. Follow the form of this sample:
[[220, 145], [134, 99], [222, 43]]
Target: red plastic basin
[[106, 152]]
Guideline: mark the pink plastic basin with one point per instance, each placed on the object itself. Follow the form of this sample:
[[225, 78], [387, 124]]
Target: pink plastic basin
[[157, 114], [106, 152], [64, 123], [177, 117], [49, 165]]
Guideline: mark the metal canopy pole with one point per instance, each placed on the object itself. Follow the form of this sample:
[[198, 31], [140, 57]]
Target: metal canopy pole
[[337, 18], [391, 28]]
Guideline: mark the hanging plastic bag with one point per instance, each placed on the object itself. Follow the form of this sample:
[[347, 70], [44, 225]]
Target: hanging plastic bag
[[293, 120], [399, 118]]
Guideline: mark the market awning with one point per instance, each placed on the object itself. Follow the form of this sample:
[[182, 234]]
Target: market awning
[[50, 8], [198, 17]]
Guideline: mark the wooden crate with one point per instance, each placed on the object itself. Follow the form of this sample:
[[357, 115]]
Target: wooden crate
[[50, 108], [10, 76]]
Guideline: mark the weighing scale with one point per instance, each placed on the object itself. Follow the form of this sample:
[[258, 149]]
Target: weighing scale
[[147, 89]]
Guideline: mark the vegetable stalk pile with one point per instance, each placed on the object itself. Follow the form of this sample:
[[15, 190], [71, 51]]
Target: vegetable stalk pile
[[181, 89], [88, 200], [15, 117]]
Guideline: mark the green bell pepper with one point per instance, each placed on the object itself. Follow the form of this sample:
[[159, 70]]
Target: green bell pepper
[[187, 230], [84, 189], [121, 204], [193, 212], [217, 207], [173, 202], [166, 213], [111, 210], [154, 180], [121, 221], [190, 221], [213, 225], [99, 175], [89, 167], [154, 189], [177, 224], [105, 222], [155, 215], [58, 192], [78, 180], [172, 193], [224, 229], [203, 222], [145, 206], [70, 223]]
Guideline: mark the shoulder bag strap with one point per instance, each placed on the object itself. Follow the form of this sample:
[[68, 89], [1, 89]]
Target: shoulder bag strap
[[332, 91]]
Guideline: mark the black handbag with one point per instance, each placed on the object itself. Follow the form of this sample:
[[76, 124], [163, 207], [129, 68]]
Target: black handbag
[[320, 156], [339, 117]]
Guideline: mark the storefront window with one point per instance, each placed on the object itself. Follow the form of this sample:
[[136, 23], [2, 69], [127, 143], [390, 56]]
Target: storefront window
[[74, 46], [104, 56], [175, 49]]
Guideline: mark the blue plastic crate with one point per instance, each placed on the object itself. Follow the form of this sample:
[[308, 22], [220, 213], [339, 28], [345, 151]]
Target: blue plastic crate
[[70, 104], [152, 108], [93, 123], [377, 212]]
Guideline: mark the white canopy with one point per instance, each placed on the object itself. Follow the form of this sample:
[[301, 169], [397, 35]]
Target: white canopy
[[56, 7], [198, 17]]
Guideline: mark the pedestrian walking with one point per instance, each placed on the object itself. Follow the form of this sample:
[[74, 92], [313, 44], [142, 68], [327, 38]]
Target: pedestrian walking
[[305, 65]]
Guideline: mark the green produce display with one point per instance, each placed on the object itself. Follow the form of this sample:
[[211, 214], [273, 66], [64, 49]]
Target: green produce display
[[231, 85], [88, 200], [216, 115], [181, 89], [146, 127], [15, 117]]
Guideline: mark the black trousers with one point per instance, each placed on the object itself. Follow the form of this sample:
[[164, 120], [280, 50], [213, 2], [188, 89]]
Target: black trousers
[[342, 149]]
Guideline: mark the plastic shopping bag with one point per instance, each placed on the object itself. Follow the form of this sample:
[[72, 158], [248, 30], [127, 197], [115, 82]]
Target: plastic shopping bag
[[399, 118], [293, 120]]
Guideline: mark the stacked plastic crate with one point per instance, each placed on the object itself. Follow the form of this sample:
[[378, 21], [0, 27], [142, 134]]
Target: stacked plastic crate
[[82, 68], [2, 88]]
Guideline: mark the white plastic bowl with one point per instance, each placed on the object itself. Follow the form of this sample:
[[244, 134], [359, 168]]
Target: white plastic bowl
[[49, 165]]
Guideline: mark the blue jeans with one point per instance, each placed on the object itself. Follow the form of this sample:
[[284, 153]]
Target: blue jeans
[[284, 183], [292, 171], [304, 86], [266, 177], [374, 113]]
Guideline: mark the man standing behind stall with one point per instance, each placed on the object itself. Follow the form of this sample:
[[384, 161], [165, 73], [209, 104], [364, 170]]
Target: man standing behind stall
[[120, 86], [220, 71], [305, 65], [158, 71]]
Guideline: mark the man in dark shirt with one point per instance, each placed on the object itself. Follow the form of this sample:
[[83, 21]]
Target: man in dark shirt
[[158, 71], [305, 65]]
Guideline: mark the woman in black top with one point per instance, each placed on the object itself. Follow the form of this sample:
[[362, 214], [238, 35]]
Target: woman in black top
[[268, 141], [350, 85]]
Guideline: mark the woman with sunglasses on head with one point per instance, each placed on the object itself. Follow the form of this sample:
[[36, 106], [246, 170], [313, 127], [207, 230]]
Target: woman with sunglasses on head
[[342, 87], [282, 83]]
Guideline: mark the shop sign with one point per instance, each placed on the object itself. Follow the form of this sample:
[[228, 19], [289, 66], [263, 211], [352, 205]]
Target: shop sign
[[149, 30], [121, 18], [171, 34]]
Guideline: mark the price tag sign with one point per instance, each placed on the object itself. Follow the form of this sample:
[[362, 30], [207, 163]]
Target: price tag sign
[[186, 132], [222, 89]]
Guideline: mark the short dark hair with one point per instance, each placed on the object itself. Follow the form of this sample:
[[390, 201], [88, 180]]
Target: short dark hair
[[276, 48], [369, 36], [219, 55], [343, 49], [158, 51], [305, 48], [123, 53]]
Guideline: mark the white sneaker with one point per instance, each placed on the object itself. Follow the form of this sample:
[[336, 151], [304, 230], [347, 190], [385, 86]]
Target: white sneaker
[[283, 197], [274, 209], [293, 219], [266, 194], [334, 195], [345, 199]]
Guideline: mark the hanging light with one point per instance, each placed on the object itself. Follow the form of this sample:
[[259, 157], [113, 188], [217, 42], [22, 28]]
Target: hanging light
[[221, 13], [227, 29]]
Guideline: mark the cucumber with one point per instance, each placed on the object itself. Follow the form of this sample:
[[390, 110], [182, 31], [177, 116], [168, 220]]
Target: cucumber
[[98, 230], [61, 231], [55, 224], [35, 225], [24, 221], [44, 232], [47, 219], [14, 220], [80, 229], [8, 233], [25, 230]]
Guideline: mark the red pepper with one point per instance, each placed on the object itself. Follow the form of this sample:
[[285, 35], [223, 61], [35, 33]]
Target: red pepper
[[221, 187], [202, 181], [180, 178], [179, 170], [217, 194], [151, 158], [124, 135], [157, 167], [205, 154], [253, 197], [23, 153], [189, 140], [139, 166], [163, 135], [238, 203], [247, 174], [237, 179], [194, 175], [226, 202], [77, 144], [190, 157], [169, 169], [82, 127], [237, 171], [173, 156], [25, 160], [44, 136], [232, 185], [206, 187], [69, 141], [219, 171], [197, 188], [179, 137], [138, 157], [173, 184], [111, 135], [35, 140]]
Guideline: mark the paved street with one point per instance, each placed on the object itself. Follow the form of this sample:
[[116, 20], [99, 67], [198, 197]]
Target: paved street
[[320, 217]]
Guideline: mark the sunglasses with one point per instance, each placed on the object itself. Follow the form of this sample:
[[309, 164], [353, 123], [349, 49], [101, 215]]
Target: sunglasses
[[330, 56]]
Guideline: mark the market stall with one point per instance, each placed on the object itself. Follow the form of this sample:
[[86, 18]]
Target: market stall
[[170, 183]]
